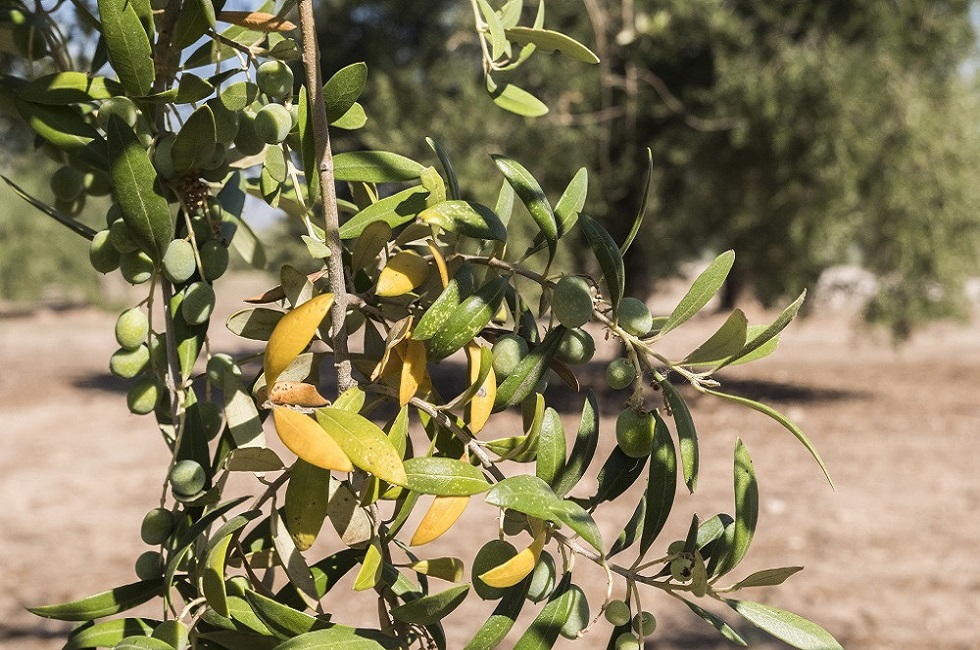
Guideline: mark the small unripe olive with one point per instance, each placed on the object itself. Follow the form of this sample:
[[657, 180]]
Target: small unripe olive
[[214, 260], [634, 433], [198, 303], [97, 183], [71, 208], [644, 623], [128, 364], [143, 396], [187, 478], [121, 107], [275, 79], [136, 267], [163, 160], [67, 183], [122, 238], [508, 350], [617, 612], [578, 618], [157, 526], [132, 326], [247, 140], [179, 263], [633, 316], [113, 214], [103, 255], [492, 554], [682, 568], [627, 641], [571, 301], [542, 579], [219, 366], [272, 123], [149, 565], [620, 373], [576, 347]]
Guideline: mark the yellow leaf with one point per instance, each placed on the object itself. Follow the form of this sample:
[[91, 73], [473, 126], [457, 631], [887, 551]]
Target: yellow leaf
[[296, 393], [259, 21], [292, 334], [403, 272], [439, 518], [440, 262], [516, 568], [446, 568], [412, 354], [482, 403], [307, 439]]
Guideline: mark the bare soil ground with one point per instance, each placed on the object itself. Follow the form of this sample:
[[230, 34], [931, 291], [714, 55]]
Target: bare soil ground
[[890, 555]]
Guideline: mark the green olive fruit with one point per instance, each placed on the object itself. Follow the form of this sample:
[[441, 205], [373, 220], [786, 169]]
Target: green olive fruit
[[187, 478], [542, 579], [202, 229], [578, 618], [677, 546], [67, 183], [633, 316], [627, 641], [225, 121], [576, 347], [508, 350], [514, 522], [571, 301], [163, 160], [218, 174], [272, 123], [220, 365], [158, 351], [214, 260], [682, 568], [71, 208], [198, 303], [634, 433], [113, 214], [128, 364], [620, 373], [217, 160], [212, 418], [275, 79], [121, 237], [97, 183], [157, 526], [136, 267], [121, 107], [132, 327], [149, 565], [617, 612], [247, 140], [492, 554], [179, 263], [102, 254], [644, 623], [143, 396]]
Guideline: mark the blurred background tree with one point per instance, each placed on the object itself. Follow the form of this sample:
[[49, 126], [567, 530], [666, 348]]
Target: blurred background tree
[[802, 134]]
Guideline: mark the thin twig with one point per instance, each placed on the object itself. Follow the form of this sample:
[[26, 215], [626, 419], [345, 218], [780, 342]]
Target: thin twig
[[328, 193]]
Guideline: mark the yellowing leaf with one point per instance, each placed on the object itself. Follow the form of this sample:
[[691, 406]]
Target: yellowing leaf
[[412, 354], [371, 242], [439, 518], [446, 568], [405, 271], [364, 443], [292, 334], [296, 393], [259, 21], [309, 441], [518, 567], [440, 262], [482, 403]]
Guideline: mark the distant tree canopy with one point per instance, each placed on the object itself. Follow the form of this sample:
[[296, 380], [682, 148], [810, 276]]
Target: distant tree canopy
[[802, 134]]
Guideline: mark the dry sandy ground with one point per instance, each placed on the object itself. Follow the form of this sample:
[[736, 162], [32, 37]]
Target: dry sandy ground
[[889, 555]]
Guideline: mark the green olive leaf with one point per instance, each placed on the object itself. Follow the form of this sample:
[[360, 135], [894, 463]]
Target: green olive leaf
[[193, 22], [552, 41], [661, 483], [543, 631], [341, 91], [365, 444], [687, 435], [728, 340], [128, 45], [70, 87], [106, 634], [65, 128], [447, 166], [791, 628], [444, 477], [767, 577], [134, 181], [375, 167], [551, 448], [583, 450], [531, 194], [256, 323], [616, 476], [431, 609], [502, 619], [716, 622], [468, 320], [705, 286], [608, 255], [102, 604], [465, 218], [195, 141], [395, 210], [520, 384], [284, 621], [72, 224], [515, 99], [632, 530]]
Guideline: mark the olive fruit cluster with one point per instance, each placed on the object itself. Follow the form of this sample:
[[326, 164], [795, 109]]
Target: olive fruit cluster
[[132, 360]]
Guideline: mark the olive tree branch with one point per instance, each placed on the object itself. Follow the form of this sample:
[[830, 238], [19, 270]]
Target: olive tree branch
[[328, 193]]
